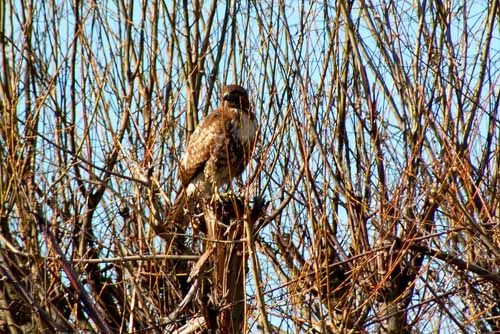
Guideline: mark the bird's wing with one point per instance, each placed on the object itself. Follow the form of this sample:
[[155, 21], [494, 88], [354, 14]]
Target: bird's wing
[[209, 133]]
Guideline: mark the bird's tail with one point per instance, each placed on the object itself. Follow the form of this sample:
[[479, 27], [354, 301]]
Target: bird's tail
[[173, 222], [177, 211], [186, 211]]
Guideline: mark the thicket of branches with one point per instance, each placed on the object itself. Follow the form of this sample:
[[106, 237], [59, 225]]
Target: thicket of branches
[[378, 160]]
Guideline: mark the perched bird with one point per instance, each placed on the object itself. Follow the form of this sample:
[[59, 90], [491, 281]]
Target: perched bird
[[218, 150]]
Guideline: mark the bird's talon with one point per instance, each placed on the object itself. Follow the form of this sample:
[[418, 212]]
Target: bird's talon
[[216, 198]]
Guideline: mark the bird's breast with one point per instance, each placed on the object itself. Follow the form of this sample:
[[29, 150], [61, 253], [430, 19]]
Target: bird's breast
[[245, 128]]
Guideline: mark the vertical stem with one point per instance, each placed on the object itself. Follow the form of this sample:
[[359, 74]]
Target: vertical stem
[[256, 277]]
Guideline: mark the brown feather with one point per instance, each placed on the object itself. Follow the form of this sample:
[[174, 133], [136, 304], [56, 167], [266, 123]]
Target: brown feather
[[218, 150]]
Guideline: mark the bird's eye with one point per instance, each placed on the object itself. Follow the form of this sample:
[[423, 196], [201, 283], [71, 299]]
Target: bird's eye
[[231, 97]]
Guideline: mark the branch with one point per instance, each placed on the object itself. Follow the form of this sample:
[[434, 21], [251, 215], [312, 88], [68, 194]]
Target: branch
[[464, 265]]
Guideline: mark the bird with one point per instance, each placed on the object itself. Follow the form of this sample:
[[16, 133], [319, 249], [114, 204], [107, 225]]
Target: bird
[[218, 150]]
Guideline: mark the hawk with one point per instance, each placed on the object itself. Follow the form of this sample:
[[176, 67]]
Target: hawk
[[218, 150]]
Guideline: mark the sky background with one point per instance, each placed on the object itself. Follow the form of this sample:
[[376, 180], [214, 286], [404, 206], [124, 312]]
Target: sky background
[[284, 54]]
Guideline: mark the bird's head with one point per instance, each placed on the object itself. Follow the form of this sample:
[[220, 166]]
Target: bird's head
[[235, 96]]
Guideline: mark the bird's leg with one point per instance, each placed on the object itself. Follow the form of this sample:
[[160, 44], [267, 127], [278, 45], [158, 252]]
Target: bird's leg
[[215, 194], [226, 196], [221, 197]]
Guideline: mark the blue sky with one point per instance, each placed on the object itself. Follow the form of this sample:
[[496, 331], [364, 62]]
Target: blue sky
[[298, 58]]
